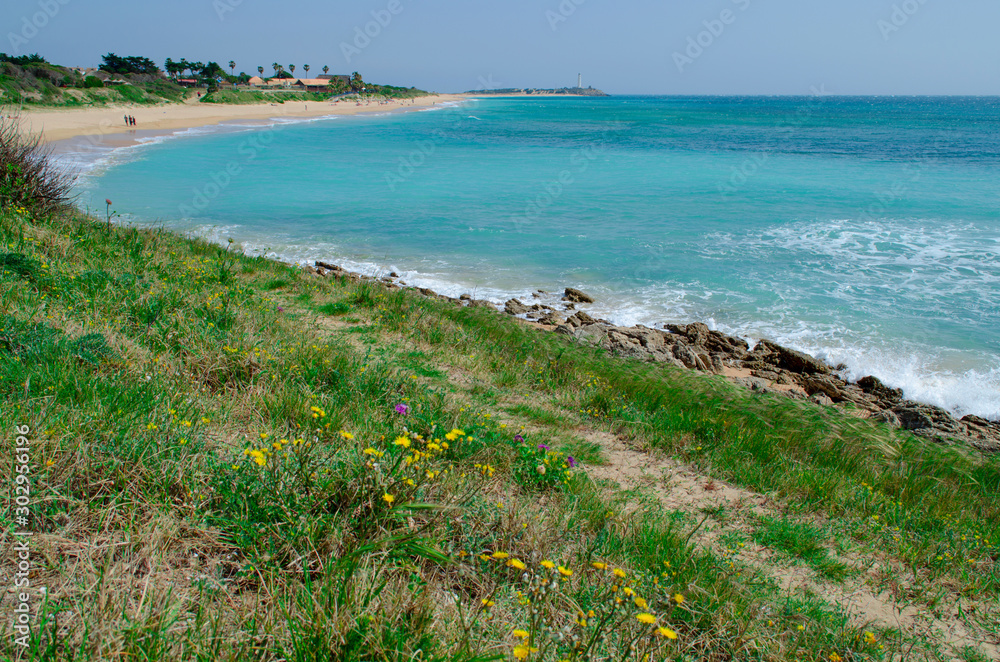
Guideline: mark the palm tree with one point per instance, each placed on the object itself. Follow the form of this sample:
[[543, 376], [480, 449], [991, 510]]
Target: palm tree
[[305, 67], [232, 67], [277, 67], [291, 68], [260, 70], [326, 70]]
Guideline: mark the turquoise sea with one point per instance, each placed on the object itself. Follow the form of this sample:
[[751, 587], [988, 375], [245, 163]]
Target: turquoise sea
[[862, 230]]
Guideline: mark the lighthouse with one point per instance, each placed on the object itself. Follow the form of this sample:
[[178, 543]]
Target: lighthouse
[[579, 81]]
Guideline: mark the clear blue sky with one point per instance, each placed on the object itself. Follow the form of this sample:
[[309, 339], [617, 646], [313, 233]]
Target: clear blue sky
[[623, 47]]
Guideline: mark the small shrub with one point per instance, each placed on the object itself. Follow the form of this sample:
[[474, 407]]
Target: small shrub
[[92, 81], [28, 178], [16, 265], [338, 308]]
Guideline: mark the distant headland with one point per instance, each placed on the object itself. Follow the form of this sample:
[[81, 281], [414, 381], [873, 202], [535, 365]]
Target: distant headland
[[562, 91]]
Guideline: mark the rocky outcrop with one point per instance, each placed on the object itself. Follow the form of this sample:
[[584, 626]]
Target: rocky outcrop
[[515, 307], [766, 368], [576, 296], [769, 355]]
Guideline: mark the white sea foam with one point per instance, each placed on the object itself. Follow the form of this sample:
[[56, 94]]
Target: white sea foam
[[961, 383]]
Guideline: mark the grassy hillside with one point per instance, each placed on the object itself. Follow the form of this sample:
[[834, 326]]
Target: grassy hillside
[[254, 97], [232, 458], [244, 97], [50, 85]]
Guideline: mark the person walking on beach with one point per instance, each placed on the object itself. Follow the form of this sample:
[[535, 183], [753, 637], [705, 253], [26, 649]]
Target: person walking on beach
[[127, 123]]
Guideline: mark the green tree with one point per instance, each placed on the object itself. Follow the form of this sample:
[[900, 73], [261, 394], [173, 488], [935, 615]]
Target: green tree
[[291, 68], [277, 68], [133, 64], [212, 70], [232, 67], [326, 70], [357, 83], [260, 71], [305, 67]]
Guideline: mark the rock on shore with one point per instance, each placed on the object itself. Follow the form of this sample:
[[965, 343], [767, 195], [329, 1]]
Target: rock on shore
[[767, 367]]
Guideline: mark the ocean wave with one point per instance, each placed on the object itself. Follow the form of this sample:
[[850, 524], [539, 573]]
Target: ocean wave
[[959, 382]]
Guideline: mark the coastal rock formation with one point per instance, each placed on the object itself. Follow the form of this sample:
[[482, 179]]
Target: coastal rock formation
[[576, 296], [771, 368], [515, 307], [767, 368]]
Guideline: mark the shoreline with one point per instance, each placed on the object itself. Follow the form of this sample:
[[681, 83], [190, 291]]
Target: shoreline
[[124, 136], [107, 124], [765, 368]]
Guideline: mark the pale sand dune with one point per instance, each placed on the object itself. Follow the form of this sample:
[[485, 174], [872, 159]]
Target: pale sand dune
[[59, 124]]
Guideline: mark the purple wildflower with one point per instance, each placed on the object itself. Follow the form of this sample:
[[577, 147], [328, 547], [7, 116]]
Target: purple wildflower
[[518, 438], [280, 309], [544, 447], [402, 410], [571, 461]]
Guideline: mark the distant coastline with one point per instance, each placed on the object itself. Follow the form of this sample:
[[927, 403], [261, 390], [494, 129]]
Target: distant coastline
[[526, 92]]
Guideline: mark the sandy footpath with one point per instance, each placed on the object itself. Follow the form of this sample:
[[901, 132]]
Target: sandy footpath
[[59, 124]]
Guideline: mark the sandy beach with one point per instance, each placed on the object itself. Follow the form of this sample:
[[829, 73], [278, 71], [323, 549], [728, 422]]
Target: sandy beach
[[59, 124]]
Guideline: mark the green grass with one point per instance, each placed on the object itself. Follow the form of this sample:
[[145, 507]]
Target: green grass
[[243, 97], [43, 93], [802, 541], [335, 309], [216, 474]]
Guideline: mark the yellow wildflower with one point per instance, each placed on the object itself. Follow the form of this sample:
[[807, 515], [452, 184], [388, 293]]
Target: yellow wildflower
[[402, 441], [347, 436], [515, 563], [548, 565], [500, 555], [565, 572], [388, 498], [258, 457], [641, 603], [666, 632], [619, 573], [521, 633], [646, 618], [678, 598], [522, 652], [600, 566]]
